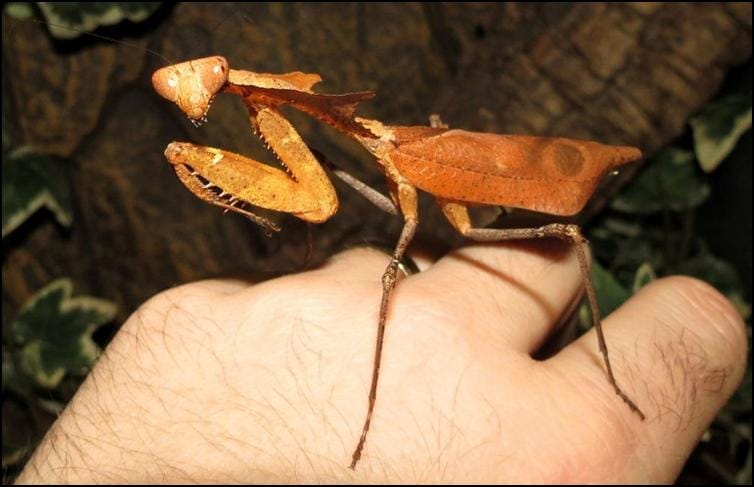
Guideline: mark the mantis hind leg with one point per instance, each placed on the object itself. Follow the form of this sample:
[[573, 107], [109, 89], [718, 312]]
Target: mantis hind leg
[[458, 215], [407, 200]]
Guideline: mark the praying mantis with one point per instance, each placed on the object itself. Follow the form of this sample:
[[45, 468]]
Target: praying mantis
[[550, 175]]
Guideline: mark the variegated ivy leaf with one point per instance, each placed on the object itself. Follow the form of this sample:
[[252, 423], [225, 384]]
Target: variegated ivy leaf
[[13, 380], [13, 454], [16, 444], [718, 127], [668, 182], [54, 332], [720, 274], [19, 10], [32, 181], [68, 20], [644, 275]]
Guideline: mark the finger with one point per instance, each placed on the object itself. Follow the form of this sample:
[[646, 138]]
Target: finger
[[223, 286], [217, 287], [359, 263], [517, 290], [365, 258], [678, 349]]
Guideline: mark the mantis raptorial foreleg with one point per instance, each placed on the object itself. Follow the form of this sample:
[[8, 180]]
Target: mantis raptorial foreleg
[[305, 191], [295, 195], [205, 190], [372, 195], [230, 180]]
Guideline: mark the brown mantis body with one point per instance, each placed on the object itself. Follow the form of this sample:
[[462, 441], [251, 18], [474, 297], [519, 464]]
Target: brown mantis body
[[549, 175]]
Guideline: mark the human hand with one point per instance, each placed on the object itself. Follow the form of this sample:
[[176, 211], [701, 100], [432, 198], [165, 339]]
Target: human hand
[[219, 381]]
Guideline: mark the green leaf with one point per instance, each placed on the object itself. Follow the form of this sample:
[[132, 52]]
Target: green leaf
[[644, 275], [628, 243], [13, 379], [721, 275], [69, 20], [743, 477], [610, 294], [54, 331], [32, 181], [623, 228], [13, 454], [51, 406], [670, 181], [19, 10], [718, 127]]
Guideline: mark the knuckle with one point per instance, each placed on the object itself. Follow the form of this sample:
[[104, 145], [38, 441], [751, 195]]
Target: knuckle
[[172, 310], [363, 255]]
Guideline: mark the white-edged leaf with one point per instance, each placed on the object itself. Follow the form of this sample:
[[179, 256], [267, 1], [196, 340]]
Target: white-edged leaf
[[669, 181], [19, 10], [70, 20], [644, 275], [718, 127], [54, 332], [32, 181]]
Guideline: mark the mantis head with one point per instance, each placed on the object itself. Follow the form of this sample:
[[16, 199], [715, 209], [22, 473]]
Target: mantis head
[[192, 85]]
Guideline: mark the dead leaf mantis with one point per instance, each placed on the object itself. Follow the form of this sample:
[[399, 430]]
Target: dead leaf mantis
[[550, 175]]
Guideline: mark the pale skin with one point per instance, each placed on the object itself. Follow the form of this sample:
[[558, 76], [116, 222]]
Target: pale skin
[[224, 381]]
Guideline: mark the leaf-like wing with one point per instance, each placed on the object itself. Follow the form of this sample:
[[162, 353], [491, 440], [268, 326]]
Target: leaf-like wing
[[546, 174]]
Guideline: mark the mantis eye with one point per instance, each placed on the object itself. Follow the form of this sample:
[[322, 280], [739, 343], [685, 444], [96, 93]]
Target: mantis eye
[[165, 82]]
